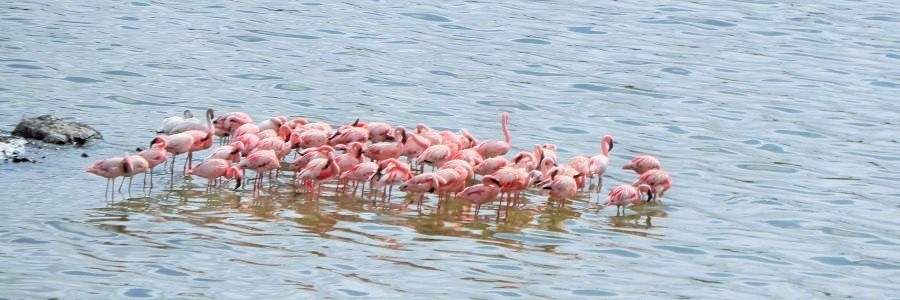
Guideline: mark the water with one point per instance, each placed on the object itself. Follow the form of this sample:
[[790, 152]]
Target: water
[[778, 122]]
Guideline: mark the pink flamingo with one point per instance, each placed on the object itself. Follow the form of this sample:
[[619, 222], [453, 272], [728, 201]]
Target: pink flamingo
[[176, 144], [309, 138], [228, 122], [155, 155], [413, 144], [437, 155], [248, 128], [136, 165], [491, 165], [561, 187], [525, 160], [351, 157], [490, 149], [250, 141], [451, 138], [378, 131], [231, 153], [626, 195], [512, 181], [458, 163], [454, 182], [272, 123], [467, 139], [213, 168], [421, 184], [318, 171], [384, 150], [642, 164], [479, 194], [260, 162], [361, 172], [111, 168], [598, 163], [390, 172], [433, 137], [659, 182], [275, 144], [348, 134], [469, 155]]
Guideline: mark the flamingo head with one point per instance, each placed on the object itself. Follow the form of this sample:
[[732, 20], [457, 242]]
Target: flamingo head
[[159, 142], [209, 114], [236, 174], [608, 141], [489, 180], [188, 114]]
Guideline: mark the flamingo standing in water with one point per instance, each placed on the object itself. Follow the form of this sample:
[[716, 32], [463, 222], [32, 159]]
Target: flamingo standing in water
[[512, 181], [213, 168], [390, 172], [625, 195], [318, 171], [260, 162], [378, 131], [437, 155], [489, 149], [231, 153], [110, 168], [560, 186], [479, 194], [227, 123], [136, 165], [491, 165], [202, 139], [349, 133], [598, 163], [642, 164], [360, 173], [155, 155], [169, 124], [413, 144], [659, 182], [421, 184], [176, 144]]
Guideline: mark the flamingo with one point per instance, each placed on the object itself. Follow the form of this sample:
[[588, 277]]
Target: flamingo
[[213, 168], [413, 144], [259, 162], [275, 144], [490, 149], [658, 180], [249, 141], [360, 173], [454, 181], [560, 186], [309, 138], [155, 155], [318, 171], [111, 168], [169, 124], [202, 139], [248, 128], [467, 139], [348, 134], [469, 155], [479, 194], [176, 144], [421, 184], [228, 122], [136, 165], [512, 181], [458, 163], [231, 153], [272, 123], [625, 195], [384, 150], [390, 172], [525, 160], [642, 164], [378, 131], [597, 164], [437, 155], [433, 137], [491, 165]]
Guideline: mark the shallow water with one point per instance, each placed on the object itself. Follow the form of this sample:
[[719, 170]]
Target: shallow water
[[776, 120]]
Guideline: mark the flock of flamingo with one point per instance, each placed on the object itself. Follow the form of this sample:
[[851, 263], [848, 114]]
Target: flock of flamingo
[[371, 154]]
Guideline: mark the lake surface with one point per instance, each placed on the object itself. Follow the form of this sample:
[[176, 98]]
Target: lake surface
[[777, 121]]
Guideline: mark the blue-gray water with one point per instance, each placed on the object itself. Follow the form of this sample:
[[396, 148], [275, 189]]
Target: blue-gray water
[[778, 122]]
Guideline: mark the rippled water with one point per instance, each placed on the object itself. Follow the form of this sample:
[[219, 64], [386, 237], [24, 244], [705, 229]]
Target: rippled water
[[776, 120]]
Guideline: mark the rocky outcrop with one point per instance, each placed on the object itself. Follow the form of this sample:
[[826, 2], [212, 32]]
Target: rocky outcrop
[[53, 130]]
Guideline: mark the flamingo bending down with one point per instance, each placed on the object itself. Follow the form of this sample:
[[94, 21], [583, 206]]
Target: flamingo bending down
[[560, 186], [625, 195], [479, 194], [659, 182], [421, 184], [319, 171], [390, 172], [378, 131], [360, 173], [260, 162], [437, 155], [155, 155], [433, 137], [110, 168], [213, 168], [228, 122], [490, 149], [469, 155], [491, 165], [413, 144], [231, 153], [642, 164]]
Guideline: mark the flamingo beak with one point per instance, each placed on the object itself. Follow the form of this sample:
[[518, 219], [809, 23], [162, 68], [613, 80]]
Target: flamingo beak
[[611, 143], [237, 185]]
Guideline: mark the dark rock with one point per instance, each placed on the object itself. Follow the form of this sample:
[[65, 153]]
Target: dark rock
[[138, 149], [19, 159], [55, 131], [84, 155]]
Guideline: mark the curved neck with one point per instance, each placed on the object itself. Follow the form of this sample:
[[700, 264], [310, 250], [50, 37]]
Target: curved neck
[[503, 120]]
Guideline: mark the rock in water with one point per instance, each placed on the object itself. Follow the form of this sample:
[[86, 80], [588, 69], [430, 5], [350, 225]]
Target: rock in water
[[55, 131]]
